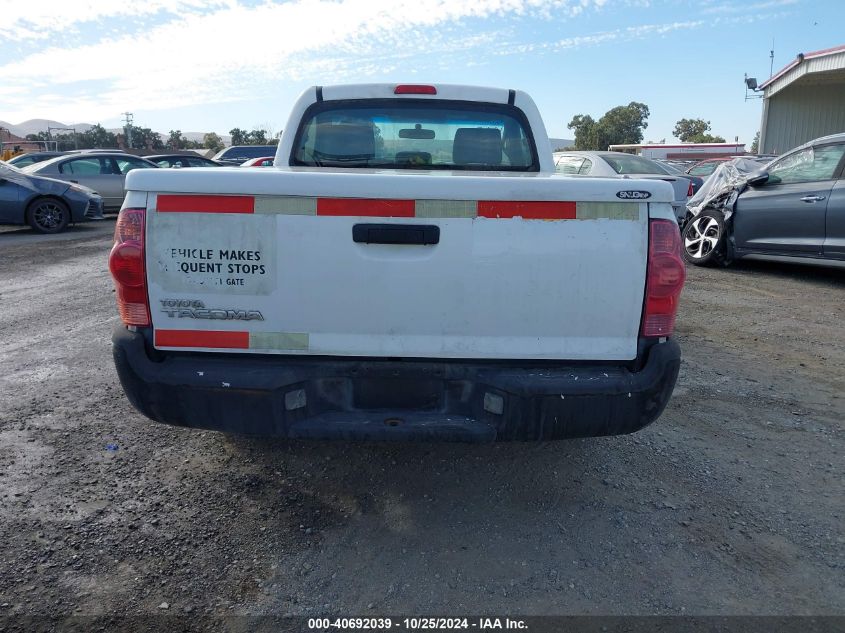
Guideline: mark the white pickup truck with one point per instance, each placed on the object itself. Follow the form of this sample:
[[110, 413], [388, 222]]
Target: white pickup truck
[[411, 268]]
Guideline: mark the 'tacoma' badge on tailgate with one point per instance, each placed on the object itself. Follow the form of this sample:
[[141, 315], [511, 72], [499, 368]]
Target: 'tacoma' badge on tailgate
[[193, 309], [633, 195]]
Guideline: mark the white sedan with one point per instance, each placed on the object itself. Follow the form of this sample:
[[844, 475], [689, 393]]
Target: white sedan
[[624, 165]]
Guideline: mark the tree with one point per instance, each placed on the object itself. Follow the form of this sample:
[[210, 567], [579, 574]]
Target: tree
[[176, 140], [142, 138], [64, 142], [620, 125], [257, 137], [97, 137], [755, 144], [585, 132], [212, 141], [695, 131], [238, 136]]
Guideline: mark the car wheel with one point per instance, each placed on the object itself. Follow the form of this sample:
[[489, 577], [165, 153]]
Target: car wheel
[[704, 239], [48, 215]]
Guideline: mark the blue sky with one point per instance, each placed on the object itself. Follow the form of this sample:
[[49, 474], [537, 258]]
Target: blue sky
[[211, 65]]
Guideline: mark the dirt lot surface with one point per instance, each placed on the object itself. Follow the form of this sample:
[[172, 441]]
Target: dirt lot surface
[[731, 503]]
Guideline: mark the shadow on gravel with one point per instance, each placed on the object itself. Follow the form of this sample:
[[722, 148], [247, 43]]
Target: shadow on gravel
[[13, 235], [827, 272], [431, 488]]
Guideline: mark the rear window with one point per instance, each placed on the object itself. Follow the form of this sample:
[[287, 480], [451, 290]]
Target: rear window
[[704, 169], [411, 134], [633, 165], [569, 164]]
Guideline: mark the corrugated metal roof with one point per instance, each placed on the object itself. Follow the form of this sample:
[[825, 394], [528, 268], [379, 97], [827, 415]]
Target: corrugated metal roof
[[818, 61]]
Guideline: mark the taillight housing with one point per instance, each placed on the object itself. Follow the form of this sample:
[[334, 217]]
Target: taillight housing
[[690, 190], [126, 263], [664, 278]]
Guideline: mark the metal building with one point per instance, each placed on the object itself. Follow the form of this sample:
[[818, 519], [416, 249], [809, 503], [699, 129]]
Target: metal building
[[803, 101], [684, 151]]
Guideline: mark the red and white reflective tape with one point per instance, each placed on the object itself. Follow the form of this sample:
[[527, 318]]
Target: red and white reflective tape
[[227, 339], [388, 208]]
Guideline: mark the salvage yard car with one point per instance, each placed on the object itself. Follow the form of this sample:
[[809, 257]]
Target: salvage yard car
[[187, 160], [23, 160], [236, 155], [412, 268], [261, 161], [102, 170], [610, 164], [47, 205], [794, 207]]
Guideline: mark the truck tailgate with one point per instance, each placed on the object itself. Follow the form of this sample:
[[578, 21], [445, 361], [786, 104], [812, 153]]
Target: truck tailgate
[[525, 266]]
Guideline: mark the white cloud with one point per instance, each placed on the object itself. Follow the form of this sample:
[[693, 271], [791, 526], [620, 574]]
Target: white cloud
[[625, 34], [42, 19], [729, 8], [250, 47]]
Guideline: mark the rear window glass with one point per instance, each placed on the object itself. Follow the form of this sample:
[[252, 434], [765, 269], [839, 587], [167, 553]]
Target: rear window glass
[[705, 169], [569, 164], [404, 134], [633, 165]]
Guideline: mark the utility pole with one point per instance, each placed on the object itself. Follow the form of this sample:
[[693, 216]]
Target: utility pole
[[128, 118], [772, 60]]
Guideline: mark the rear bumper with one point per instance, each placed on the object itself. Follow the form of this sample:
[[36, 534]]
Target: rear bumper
[[364, 399]]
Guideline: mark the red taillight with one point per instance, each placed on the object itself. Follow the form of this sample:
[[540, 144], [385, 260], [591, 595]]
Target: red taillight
[[414, 89], [664, 278], [126, 263], [690, 191]]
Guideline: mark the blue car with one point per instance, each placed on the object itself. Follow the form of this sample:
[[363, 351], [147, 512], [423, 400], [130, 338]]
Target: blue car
[[47, 205]]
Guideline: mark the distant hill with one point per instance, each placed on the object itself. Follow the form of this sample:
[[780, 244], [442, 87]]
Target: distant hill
[[34, 126], [561, 143]]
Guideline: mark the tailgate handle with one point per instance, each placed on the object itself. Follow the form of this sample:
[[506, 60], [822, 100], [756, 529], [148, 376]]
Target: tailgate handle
[[396, 233]]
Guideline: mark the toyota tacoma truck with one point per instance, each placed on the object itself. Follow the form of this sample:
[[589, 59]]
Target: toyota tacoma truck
[[411, 268]]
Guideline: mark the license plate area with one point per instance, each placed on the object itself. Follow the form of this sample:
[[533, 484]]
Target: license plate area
[[425, 395]]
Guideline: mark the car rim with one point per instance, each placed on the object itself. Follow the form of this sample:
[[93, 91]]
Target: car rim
[[48, 215], [701, 237]]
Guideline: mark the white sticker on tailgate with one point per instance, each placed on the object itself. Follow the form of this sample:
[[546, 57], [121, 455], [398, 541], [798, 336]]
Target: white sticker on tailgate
[[202, 252]]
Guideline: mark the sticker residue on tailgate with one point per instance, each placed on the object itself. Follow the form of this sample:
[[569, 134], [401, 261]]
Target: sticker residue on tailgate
[[194, 252]]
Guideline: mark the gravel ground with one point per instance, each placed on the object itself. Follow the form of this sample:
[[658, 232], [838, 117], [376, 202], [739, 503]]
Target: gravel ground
[[731, 503]]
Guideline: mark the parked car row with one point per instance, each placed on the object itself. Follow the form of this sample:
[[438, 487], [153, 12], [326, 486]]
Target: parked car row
[[48, 205], [49, 190], [787, 206], [104, 172]]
